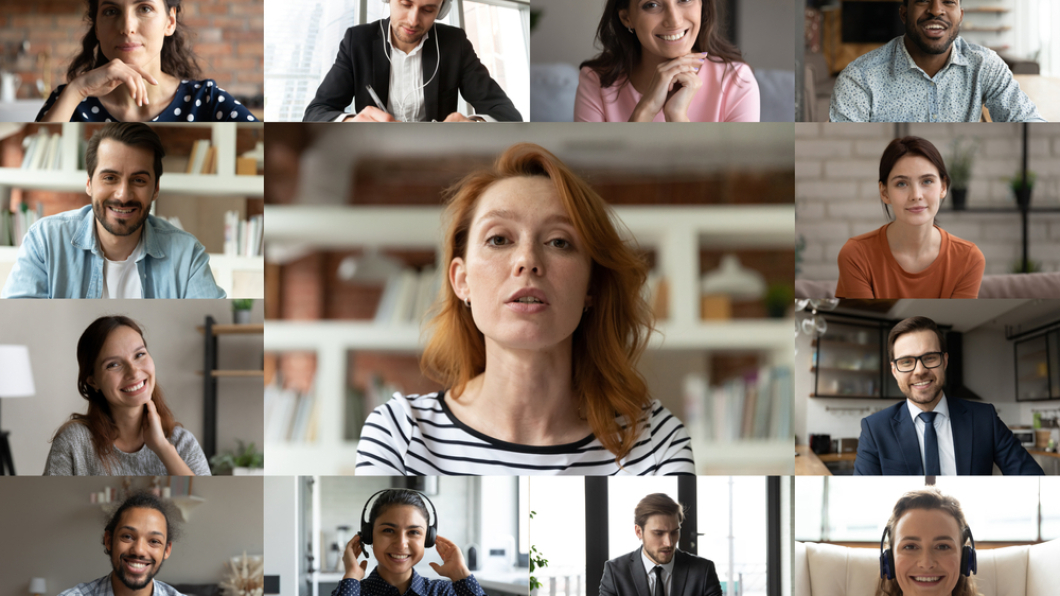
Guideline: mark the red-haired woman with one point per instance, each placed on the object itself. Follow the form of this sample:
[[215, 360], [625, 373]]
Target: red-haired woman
[[128, 429], [539, 325], [911, 257]]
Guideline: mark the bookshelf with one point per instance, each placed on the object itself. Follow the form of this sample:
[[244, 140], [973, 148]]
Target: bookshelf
[[212, 331], [676, 234]]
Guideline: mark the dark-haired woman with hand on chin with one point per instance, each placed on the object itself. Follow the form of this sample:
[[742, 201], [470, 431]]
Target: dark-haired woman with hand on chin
[[399, 523], [136, 65], [664, 60], [128, 430]]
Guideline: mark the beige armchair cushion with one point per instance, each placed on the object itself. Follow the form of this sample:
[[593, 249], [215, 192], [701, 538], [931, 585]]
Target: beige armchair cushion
[[1029, 285], [830, 570]]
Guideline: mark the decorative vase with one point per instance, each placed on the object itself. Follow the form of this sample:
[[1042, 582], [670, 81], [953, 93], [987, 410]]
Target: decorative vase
[[1023, 197], [960, 199], [241, 317]]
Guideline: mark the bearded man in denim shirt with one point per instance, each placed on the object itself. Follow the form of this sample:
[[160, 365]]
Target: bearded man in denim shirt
[[930, 74], [113, 248]]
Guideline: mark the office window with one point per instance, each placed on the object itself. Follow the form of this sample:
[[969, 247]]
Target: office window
[[499, 32], [524, 515], [559, 502], [731, 511], [1050, 496]]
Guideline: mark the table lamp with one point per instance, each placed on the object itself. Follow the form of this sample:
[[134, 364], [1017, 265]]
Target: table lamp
[[16, 380], [37, 587]]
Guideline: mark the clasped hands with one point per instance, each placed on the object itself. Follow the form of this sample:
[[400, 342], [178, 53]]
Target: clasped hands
[[452, 567], [672, 87]]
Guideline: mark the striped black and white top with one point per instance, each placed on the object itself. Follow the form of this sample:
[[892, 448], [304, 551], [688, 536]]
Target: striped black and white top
[[417, 435]]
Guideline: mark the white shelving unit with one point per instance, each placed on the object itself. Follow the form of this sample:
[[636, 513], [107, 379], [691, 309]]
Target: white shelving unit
[[676, 233]]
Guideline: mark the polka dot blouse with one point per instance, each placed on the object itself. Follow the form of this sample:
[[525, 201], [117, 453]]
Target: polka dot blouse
[[195, 101], [375, 585]]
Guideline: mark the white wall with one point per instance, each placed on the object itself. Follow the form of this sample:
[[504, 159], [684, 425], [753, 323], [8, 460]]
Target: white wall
[[51, 530], [281, 536], [764, 34], [51, 329]]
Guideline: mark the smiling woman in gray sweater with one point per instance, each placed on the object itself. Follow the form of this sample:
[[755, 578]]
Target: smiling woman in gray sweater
[[128, 429]]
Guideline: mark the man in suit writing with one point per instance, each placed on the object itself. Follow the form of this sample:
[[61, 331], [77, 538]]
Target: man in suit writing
[[659, 568], [415, 67], [928, 433]]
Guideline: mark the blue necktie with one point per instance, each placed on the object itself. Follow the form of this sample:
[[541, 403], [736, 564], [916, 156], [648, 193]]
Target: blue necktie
[[931, 445]]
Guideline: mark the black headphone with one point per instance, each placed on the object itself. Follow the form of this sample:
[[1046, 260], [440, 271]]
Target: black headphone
[[367, 525], [969, 563]]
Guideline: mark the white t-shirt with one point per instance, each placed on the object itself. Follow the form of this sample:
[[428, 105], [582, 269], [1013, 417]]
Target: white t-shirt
[[417, 435], [123, 277]]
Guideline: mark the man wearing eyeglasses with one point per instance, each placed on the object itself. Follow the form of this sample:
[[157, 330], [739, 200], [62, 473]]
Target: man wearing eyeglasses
[[930, 434]]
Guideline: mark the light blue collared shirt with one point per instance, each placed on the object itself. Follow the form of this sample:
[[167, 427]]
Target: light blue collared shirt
[[103, 587], [885, 85], [60, 258]]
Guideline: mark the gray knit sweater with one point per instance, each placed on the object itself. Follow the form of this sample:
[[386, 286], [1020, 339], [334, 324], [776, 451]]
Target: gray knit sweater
[[72, 455]]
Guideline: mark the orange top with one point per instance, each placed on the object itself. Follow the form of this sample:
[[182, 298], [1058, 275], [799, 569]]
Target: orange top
[[867, 269]]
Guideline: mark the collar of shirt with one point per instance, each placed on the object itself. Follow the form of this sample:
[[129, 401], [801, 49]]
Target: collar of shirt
[[85, 237], [377, 586], [405, 100], [941, 408], [902, 56], [668, 568]]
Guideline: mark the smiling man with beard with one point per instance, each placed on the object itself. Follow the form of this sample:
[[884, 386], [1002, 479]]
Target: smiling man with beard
[[138, 538], [930, 433], [416, 68], [930, 74], [659, 568], [114, 248]]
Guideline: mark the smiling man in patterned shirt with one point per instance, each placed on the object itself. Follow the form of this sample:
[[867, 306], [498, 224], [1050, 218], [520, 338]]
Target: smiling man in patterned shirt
[[929, 74]]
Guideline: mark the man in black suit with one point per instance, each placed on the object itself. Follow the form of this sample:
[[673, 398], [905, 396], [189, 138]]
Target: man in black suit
[[930, 433], [416, 68], [659, 568]]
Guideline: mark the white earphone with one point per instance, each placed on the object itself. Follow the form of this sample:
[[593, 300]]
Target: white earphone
[[443, 10]]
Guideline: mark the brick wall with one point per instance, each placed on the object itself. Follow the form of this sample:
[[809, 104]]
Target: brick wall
[[227, 36], [837, 195]]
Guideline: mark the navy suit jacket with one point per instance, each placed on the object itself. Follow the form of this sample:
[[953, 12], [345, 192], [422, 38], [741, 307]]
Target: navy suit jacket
[[889, 445], [362, 60], [693, 576]]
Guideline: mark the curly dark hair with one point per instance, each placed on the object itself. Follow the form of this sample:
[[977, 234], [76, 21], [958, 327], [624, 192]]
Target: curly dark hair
[[145, 500], [622, 50], [177, 58]]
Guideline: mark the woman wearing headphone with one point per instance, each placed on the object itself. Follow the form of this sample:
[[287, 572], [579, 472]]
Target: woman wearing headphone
[[398, 531], [926, 553]]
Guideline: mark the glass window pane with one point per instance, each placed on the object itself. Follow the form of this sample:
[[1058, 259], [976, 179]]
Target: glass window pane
[[809, 492], [623, 494], [524, 517], [1050, 488], [1015, 520], [559, 502], [301, 41], [732, 526], [875, 498], [499, 38]]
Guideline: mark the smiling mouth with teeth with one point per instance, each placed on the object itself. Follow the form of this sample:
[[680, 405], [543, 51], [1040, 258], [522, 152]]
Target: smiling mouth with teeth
[[674, 37], [921, 578], [136, 387]]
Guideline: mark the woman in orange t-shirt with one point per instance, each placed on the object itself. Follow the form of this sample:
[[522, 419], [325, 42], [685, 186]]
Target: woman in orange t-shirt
[[910, 257]]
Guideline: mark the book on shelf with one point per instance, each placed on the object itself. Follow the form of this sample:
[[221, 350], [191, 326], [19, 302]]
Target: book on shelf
[[289, 415], [13, 226], [41, 151], [408, 296], [200, 151], [756, 406], [243, 238]]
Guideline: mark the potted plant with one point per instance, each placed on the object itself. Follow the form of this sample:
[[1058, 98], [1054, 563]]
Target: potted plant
[[241, 310], [960, 171], [1021, 190], [244, 461], [536, 562], [779, 298]]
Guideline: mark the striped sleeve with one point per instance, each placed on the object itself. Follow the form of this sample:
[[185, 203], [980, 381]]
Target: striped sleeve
[[385, 440], [671, 445]]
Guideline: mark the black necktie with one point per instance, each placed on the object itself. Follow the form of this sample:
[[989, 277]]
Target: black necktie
[[659, 581], [931, 445]]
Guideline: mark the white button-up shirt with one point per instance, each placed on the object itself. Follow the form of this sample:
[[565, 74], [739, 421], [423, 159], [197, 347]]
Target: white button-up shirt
[[944, 430], [667, 574]]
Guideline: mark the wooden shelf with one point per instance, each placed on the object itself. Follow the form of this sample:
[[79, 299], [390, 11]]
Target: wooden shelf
[[237, 373], [860, 371], [258, 328], [851, 396], [834, 457]]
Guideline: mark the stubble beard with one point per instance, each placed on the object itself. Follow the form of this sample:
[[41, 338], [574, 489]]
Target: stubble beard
[[932, 47], [119, 571], [100, 211]]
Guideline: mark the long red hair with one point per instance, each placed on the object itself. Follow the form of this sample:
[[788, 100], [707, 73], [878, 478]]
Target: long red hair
[[613, 333], [98, 420]]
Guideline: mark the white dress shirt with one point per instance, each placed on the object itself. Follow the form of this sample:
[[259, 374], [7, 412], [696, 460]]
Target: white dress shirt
[[668, 573], [944, 430]]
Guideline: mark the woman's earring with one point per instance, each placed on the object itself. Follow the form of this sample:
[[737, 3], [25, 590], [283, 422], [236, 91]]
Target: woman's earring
[[467, 302], [630, 29], [585, 310]]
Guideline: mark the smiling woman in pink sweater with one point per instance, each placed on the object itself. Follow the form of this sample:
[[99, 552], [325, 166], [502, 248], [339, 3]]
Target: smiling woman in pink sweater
[[663, 60]]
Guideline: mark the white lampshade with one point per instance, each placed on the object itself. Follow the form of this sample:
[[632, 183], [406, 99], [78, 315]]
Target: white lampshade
[[36, 586], [16, 376]]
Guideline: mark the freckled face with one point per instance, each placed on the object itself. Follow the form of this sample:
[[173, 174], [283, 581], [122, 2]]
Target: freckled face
[[666, 28], [125, 372], [914, 190], [927, 552], [526, 270], [133, 30]]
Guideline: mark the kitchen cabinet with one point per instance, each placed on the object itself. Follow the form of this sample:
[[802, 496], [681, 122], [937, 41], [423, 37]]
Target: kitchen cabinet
[[850, 360], [1038, 367]]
